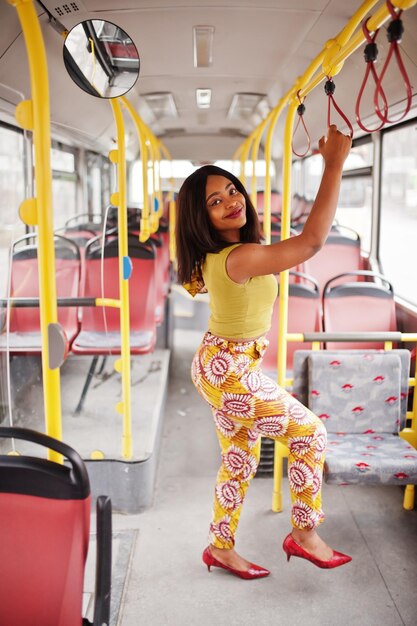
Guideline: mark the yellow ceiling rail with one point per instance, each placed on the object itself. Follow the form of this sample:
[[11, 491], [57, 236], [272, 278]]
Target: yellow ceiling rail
[[331, 61], [35, 115], [348, 45], [118, 199]]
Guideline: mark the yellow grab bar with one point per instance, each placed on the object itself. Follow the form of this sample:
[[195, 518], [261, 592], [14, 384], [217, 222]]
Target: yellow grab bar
[[35, 115], [142, 135], [119, 199]]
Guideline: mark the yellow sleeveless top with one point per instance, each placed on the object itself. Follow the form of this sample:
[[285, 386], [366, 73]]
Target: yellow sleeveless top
[[238, 311]]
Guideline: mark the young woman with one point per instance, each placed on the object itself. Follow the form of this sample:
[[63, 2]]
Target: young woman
[[218, 249]]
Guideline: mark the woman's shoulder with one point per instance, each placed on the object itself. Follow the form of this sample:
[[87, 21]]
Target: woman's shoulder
[[222, 252]]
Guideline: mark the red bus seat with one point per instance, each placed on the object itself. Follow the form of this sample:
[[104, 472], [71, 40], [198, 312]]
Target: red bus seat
[[339, 254], [45, 520], [84, 221], [100, 327], [276, 205], [304, 315], [25, 335], [358, 306]]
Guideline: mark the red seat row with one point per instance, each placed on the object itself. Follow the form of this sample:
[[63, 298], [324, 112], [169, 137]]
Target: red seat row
[[348, 304], [92, 330]]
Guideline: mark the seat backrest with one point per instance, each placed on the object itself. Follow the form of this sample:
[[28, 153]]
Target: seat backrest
[[304, 315], [358, 394], [81, 235], [142, 292], [339, 254], [276, 202], [358, 306], [45, 516], [25, 283], [344, 370]]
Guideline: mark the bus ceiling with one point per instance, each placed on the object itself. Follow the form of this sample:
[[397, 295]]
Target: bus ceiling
[[203, 100]]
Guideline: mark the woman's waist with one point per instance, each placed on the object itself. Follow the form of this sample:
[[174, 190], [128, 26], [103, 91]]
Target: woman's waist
[[237, 339], [237, 344]]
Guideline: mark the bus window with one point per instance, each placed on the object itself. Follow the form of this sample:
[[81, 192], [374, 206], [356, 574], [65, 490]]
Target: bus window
[[64, 183], [313, 167], [98, 184], [355, 199], [397, 249], [355, 207], [12, 186]]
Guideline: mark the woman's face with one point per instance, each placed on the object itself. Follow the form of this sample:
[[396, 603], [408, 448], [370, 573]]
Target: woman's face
[[226, 207]]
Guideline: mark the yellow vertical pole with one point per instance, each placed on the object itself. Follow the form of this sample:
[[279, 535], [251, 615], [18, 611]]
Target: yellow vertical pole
[[283, 290], [235, 158], [276, 112], [155, 198], [142, 134], [35, 115], [159, 191], [243, 158], [255, 138], [118, 199], [285, 233], [254, 157], [172, 209]]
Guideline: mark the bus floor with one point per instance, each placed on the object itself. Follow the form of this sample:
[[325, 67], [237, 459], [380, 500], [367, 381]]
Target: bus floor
[[160, 580]]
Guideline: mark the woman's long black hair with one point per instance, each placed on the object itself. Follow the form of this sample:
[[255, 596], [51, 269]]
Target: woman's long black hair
[[195, 235]]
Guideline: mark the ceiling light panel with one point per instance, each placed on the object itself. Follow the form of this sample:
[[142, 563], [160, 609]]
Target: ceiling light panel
[[162, 104], [203, 98], [203, 37], [245, 104]]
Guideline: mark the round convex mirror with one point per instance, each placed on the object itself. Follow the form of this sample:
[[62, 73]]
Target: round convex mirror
[[101, 58]]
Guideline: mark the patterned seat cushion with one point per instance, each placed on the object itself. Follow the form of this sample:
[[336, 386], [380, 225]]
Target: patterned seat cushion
[[300, 387], [372, 458], [355, 393]]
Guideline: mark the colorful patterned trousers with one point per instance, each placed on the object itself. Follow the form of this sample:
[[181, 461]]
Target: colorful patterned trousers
[[247, 404]]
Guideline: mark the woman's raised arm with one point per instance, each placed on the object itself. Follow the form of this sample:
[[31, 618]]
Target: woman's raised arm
[[257, 260]]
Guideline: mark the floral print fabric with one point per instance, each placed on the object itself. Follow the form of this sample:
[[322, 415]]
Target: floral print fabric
[[246, 405]]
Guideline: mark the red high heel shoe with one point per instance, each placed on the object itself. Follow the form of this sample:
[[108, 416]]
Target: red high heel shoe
[[292, 548], [254, 571]]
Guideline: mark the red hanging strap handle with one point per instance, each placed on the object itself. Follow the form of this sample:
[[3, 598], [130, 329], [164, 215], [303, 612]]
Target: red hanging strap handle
[[301, 110], [394, 34], [370, 54], [329, 88]]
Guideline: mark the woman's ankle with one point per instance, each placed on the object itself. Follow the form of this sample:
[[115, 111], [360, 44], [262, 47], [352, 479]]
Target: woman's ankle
[[303, 535], [223, 549]]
